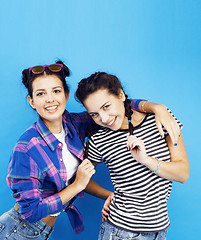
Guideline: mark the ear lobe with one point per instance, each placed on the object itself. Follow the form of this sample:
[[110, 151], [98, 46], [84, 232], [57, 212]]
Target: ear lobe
[[31, 102], [67, 96], [122, 95]]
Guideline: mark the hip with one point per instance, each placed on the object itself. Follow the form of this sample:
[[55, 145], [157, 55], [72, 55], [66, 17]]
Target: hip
[[112, 232], [12, 226]]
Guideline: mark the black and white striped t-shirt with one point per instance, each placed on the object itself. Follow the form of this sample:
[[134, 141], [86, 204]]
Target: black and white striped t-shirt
[[140, 202]]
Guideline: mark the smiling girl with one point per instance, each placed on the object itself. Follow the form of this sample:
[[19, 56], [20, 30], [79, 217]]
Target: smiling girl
[[142, 164], [47, 169]]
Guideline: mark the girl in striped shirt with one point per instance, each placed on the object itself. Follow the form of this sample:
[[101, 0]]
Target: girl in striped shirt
[[47, 170], [142, 164]]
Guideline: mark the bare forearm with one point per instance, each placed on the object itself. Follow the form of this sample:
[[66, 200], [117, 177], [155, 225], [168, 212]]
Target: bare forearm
[[150, 107], [96, 190], [175, 171], [178, 169], [69, 192], [83, 176]]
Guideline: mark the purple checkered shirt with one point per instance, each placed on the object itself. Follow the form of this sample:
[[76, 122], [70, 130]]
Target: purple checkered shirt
[[36, 173]]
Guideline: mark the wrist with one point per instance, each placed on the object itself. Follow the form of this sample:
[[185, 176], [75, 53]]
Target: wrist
[[77, 186], [153, 164]]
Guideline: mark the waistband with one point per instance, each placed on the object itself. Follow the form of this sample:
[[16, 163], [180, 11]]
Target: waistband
[[39, 226]]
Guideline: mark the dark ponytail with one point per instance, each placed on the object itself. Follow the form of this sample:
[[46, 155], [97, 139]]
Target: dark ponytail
[[128, 113]]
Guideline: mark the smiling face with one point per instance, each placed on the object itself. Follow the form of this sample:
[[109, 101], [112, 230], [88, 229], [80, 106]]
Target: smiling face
[[49, 100], [107, 109]]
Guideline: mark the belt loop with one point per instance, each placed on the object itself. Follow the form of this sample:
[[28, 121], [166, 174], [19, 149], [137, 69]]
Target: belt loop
[[156, 235], [48, 234]]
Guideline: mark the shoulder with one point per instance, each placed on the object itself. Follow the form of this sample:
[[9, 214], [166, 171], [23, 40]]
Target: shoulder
[[139, 118], [30, 135], [75, 116], [101, 131]]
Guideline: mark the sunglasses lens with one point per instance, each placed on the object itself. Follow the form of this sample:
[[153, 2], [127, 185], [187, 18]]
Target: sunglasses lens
[[55, 67], [37, 69]]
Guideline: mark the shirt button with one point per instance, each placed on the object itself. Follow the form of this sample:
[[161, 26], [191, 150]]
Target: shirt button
[[60, 144], [36, 233], [24, 225], [15, 230], [61, 159]]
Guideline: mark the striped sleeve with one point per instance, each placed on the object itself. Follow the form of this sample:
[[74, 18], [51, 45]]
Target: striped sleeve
[[93, 154]]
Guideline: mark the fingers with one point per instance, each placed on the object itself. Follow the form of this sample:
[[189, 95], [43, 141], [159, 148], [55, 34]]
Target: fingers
[[84, 173], [133, 143], [105, 214], [87, 166], [160, 128], [165, 119], [106, 210], [173, 130]]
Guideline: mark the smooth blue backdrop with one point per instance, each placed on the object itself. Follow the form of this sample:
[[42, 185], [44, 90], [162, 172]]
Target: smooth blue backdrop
[[154, 47]]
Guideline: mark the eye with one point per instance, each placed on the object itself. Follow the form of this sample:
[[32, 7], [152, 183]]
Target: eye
[[93, 115], [106, 107], [57, 91], [39, 94]]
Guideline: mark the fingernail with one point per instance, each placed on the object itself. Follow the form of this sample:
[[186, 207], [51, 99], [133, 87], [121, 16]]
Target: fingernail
[[175, 144]]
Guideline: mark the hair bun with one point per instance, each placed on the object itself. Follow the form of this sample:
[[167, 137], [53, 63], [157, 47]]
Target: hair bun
[[25, 77], [66, 69]]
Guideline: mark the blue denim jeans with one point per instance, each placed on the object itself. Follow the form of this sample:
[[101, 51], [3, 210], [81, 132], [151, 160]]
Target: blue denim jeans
[[110, 232], [13, 227]]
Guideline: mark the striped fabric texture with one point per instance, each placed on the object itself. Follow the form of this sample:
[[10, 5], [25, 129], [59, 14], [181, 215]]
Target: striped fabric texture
[[140, 200]]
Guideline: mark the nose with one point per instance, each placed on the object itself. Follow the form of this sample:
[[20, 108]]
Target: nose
[[49, 98], [104, 117]]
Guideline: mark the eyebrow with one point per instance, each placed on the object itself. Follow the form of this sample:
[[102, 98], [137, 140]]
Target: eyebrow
[[42, 89], [104, 104]]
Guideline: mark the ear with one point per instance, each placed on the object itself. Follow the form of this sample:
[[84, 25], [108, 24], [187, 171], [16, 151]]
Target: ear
[[67, 96], [31, 102], [122, 95]]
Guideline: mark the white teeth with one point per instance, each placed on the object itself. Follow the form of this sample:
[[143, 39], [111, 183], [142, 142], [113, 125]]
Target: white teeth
[[109, 124], [51, 108]]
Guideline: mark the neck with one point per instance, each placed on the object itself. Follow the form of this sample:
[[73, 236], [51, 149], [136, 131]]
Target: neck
[[54, 127], [125, 124], [136, 119]]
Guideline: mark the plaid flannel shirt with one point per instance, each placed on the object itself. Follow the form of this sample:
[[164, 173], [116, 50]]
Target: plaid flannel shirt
[[36, 172]]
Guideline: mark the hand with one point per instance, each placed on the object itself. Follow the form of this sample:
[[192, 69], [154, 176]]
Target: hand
[[164, 118], [106, 210], [84, 173], [137, 148]]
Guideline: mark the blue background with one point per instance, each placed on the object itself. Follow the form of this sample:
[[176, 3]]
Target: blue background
[[154, 47]]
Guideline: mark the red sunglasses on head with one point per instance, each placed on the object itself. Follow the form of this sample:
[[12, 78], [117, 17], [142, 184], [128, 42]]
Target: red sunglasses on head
[[57, 67]]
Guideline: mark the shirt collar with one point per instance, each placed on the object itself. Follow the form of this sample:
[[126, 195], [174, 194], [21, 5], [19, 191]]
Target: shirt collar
[[46, 134], [65, 124]]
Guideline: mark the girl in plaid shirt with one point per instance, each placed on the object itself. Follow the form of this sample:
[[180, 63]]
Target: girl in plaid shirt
[[47, 169]]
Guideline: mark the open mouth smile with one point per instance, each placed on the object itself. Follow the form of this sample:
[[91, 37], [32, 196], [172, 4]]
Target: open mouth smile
[[112, 122], [51, 108]]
